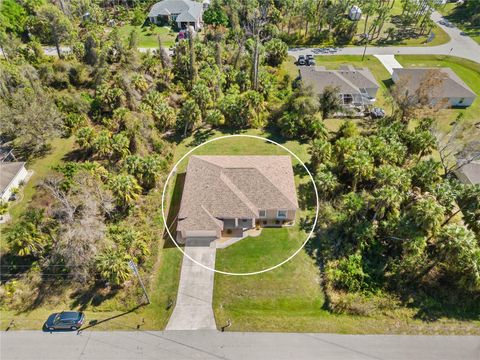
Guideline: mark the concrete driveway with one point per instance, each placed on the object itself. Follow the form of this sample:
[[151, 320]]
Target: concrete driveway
[[193, 308], [389, 62]]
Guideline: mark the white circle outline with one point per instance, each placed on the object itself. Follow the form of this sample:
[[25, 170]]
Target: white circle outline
[[233, 273]]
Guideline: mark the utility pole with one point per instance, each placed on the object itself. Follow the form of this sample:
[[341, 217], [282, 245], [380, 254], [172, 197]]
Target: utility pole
[[134, 268], [367, 36]]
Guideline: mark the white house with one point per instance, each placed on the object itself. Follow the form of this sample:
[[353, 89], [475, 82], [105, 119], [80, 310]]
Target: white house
[[451, 89], [184, 12], [11, 175]]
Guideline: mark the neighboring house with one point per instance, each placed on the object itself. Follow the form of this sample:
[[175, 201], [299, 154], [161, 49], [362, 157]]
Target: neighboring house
[[469, 173], [11, 175], [227, 195], [184, 12], [452, 89], [356, 86]]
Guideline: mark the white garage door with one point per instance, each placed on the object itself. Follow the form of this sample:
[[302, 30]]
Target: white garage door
[[199, 240]]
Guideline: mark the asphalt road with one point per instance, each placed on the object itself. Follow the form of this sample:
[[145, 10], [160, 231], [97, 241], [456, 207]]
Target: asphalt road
[[210, 344]]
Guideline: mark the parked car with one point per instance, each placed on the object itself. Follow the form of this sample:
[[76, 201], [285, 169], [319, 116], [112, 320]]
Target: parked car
[[301, 60], [310, 61], [377, 113], [65, 320]]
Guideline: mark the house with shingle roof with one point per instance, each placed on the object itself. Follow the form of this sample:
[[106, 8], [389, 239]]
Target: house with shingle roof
[[451, 89], [357, 86], [228, 195], [184, 12]]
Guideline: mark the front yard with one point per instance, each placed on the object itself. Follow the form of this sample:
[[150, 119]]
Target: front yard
[[148, 36]]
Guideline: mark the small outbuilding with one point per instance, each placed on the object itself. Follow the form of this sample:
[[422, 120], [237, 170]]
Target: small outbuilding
[[355, 13]]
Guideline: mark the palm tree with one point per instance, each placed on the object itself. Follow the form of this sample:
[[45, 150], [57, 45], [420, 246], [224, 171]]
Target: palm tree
[[113, 266], [102, 144], [388, 200], [428, 214], [320, 153], [126, 190], [120, 145], [360, 166], [151, 168]]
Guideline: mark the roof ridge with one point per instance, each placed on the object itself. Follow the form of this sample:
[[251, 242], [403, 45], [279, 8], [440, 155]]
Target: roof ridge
[[339, 74], [242, 197], [215, 220]]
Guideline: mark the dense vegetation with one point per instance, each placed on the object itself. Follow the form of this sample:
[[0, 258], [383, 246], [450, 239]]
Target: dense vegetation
[[394, 219]]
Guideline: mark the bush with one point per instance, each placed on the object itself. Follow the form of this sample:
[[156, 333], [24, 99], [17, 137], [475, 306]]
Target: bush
[[347, 273]]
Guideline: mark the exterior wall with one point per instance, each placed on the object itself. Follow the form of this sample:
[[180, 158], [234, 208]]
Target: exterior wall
[[372, 92], [272, 220], [21, 175], [458, 101]]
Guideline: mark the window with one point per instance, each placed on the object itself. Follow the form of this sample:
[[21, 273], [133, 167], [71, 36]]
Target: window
[[281, 214], [244, 220], [462, 100], [262, 213]]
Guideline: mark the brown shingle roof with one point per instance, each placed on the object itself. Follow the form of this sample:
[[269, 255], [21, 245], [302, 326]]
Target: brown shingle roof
[[226, 187], [452, 85]]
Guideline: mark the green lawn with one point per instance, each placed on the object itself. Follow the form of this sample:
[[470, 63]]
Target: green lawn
[[237, 145], [467, 70], [290, 297], [147, 38]]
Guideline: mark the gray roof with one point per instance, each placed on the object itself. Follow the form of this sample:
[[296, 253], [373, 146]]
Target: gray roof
[[8, 171], [452, 85], [228, 187], [186, 10], [469, 173], [347, 78]]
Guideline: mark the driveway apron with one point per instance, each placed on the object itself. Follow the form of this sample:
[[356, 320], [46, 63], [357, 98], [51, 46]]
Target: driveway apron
[[193, 309]]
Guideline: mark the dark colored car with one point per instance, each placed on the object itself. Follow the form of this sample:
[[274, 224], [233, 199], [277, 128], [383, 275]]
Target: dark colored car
[[310, 60], [301, 60], [65, 320]]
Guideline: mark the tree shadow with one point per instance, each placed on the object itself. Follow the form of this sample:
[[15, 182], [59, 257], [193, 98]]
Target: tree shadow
[[299, 170], [306, 196], [174, 209], [95, 295], [78, 155], [94, 322], [200, 136]]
